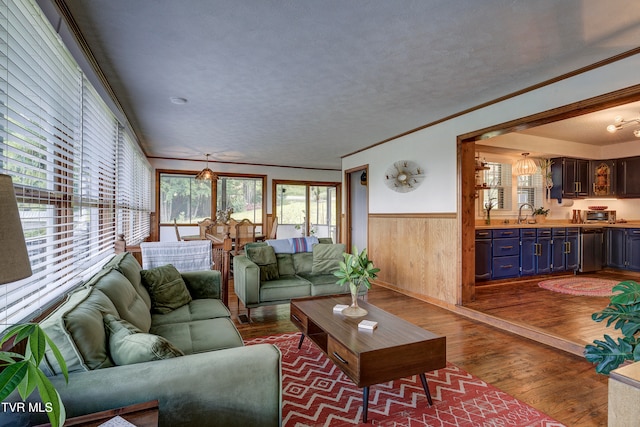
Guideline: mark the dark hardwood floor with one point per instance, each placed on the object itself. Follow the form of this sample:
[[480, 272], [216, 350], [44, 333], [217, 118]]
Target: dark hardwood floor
[[557, 382]]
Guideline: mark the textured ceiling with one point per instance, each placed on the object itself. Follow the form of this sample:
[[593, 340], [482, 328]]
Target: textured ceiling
[[304, 82]]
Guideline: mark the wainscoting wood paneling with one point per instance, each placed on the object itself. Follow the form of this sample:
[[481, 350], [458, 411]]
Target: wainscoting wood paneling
[[417, 254]]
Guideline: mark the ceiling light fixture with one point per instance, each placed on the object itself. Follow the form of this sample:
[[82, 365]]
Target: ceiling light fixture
[[178, 100], [207, 174], [524, 166], [619, 123]]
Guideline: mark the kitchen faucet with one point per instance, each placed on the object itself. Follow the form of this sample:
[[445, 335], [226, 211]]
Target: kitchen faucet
[[520, 219]]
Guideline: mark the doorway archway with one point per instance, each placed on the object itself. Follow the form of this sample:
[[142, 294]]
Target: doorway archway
[[466, 166]]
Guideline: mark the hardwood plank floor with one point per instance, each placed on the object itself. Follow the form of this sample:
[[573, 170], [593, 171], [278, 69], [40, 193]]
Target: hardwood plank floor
[[563, 385], [568, 317]]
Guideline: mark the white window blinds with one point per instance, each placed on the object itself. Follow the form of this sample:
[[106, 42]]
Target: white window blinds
[[41, 99], [59, 142], [498, 179], [95, 229], [134, 199]]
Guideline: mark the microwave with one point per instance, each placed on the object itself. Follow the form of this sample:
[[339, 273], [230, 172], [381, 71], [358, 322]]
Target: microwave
[[600, 216]]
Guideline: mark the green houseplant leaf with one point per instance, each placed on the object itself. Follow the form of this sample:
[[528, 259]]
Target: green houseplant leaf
[[22, 372], [624, 317], [11, 377], [51, 399], [623, 312], [356, 269], [628, 293], [609, 354]]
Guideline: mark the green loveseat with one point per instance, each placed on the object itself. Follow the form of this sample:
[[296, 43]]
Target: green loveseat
[[203, 374], [297, 272]]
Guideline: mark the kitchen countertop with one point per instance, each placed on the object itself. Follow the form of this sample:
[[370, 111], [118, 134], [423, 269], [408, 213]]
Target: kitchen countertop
[[551, 224]]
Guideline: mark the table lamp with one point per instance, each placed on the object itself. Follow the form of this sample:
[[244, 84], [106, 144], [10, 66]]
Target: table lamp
[[14, 259]]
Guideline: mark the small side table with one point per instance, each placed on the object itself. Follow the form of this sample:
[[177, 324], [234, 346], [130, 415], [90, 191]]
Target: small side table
[[141, 414]]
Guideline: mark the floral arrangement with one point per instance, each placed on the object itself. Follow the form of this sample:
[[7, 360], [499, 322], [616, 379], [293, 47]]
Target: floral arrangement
[[487, 207]]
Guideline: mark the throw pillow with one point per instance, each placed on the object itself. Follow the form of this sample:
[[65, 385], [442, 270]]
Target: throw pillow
[[327, 257], [285, 265], [166, 287], [127, 344], [303, 244], [265, 258]]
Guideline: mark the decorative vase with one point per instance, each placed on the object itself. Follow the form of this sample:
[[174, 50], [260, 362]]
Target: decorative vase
[[354, 310], [487, 220]]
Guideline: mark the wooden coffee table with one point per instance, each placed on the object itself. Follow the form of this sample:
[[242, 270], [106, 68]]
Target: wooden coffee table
[[395, 349]]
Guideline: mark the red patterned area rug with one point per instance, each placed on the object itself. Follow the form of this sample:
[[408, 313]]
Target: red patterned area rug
[[317, 393], [585, 286]]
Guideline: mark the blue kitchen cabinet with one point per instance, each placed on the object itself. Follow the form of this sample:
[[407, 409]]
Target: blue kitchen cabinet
[[483, 255], [528, 251], [633, 249], [573, 248], [505, 253], [535, 251], [558, 249], [565, 249], [543, 250], [615, 247], [623, 248]]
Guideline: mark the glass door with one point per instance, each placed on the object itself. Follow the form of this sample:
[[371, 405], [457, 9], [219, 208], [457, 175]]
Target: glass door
[[305, 209]]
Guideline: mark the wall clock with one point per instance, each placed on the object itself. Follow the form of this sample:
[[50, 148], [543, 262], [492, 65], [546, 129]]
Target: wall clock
[[404, 176]]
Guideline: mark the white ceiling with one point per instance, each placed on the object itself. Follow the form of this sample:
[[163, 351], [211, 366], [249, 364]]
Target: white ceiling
[[304, 82], [591, 128]]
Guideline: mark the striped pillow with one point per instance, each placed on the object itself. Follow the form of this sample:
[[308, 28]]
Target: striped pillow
[[303, 244]]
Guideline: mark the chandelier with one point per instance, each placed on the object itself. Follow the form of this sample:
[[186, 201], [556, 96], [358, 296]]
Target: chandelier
[[524, 166], [207, 174], [619, 123]]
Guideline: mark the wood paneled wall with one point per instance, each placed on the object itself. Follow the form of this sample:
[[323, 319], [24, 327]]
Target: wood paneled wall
[[417, 254]]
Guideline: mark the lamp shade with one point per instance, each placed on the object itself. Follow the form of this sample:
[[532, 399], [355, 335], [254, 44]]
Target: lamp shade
[[14, 259], [524, 166]]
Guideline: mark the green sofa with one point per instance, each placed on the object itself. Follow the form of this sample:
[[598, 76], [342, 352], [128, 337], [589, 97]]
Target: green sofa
[[297, 272], [199, 370]]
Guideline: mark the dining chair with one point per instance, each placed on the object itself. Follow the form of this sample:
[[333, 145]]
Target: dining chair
[[218, 232], [245, 232], [274, 228], [205, 227], [184, 238]]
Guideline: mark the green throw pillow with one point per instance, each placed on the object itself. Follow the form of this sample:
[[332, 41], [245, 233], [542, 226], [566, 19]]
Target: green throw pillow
[[265, 258], [128, 345], [166, 287], [285, 265], [327, 257]]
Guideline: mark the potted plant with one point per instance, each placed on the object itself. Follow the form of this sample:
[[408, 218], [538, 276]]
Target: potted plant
[[23, 371], [623, 312], [540, 214], [356, 270]]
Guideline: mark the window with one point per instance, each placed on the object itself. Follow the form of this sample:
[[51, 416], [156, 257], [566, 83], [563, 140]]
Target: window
[[530, 190], [498, 179], [189, 201], [243, 195], [184, 199], [305, 209], [133, 190], [60, 143], [503, 188]]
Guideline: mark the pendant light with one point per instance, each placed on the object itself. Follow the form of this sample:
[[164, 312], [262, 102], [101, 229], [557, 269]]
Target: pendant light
[[524, 166], [207, 174]]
